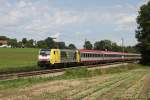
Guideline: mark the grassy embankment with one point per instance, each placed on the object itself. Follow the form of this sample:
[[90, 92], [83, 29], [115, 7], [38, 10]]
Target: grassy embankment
[[69, 74], [18, 59], [122, 82]]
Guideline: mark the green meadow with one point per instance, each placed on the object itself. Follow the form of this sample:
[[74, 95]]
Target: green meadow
[[18, 59]]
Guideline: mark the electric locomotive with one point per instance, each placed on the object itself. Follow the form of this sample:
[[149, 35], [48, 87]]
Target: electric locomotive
[[49, 57]]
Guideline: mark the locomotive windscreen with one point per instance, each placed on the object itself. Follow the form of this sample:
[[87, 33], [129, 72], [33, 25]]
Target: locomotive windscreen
[[44, 52]]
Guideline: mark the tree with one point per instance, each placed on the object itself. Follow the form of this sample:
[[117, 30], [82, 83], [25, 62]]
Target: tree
[[29, 43], [115, 47], [24, 41], [13, 43], [42, 44], [61, 45], [143, 32], [50, 43], [131, 49], [103, 45], [3, 38], [71, 46], [88, 45], [19, 44]]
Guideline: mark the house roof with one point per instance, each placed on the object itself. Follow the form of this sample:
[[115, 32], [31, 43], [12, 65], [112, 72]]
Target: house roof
[[3, 42]]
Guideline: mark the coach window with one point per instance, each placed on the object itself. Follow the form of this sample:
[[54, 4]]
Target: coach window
[[82, 55], [86, 55], [106, 55]]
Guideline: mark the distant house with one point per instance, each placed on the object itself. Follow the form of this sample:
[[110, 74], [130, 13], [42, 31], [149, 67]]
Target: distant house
[[4, 44]]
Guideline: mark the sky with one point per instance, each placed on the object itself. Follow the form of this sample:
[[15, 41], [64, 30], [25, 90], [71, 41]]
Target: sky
[[71, 21]]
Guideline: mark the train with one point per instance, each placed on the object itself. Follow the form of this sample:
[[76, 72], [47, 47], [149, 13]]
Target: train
[[54, 57]]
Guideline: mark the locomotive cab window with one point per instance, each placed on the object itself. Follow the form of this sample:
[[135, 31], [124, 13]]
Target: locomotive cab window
[[44, 52]]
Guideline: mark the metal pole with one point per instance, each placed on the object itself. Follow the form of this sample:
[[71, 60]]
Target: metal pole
[[123, 48], [122, 45]]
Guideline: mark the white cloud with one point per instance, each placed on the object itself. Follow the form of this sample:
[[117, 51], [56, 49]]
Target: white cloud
[[22, 4], [30, 17], [127, 19], [126, 22], [39, 19]]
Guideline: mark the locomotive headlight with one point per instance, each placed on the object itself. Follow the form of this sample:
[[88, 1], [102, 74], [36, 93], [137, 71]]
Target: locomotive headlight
[[44, 58]]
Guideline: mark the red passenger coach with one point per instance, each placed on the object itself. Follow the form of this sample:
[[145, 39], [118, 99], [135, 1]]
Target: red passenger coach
[[96, 56]]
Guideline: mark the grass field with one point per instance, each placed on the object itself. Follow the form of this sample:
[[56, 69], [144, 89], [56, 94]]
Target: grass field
[[124, 84], [15, 59]]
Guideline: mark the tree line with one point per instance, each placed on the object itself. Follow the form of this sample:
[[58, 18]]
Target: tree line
[[31, 43], [107, 45], [49, 42]]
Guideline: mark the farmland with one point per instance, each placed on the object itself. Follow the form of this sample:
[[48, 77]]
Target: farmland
[[15, 59], [124, 84]]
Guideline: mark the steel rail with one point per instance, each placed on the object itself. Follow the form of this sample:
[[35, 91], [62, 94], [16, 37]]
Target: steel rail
[[47, 71]]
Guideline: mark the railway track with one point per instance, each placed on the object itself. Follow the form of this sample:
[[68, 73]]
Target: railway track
[[48, 71], [27, 74]]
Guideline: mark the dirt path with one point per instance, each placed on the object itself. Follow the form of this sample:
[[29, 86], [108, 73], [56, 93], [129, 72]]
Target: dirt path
[[145, 89]]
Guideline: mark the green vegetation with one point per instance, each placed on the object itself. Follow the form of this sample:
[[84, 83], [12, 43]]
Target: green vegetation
[[31, 43], [88, 45], [111, 83], [84, 72], [18, 59], [109, 45], [75, 73], [143, 32]]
